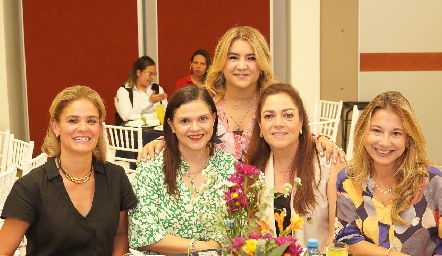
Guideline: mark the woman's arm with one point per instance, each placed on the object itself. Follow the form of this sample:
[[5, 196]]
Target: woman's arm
[[171, 244], [332, 151], [149, 150], [123, 104], [364, 248], [11, 234], [121, 242], [331, 197]]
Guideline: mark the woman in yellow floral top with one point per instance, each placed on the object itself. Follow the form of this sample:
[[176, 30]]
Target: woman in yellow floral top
[[178, 193], [389, 197]]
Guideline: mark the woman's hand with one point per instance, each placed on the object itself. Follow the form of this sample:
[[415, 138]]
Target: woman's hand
[[332, 151], [149, 150]]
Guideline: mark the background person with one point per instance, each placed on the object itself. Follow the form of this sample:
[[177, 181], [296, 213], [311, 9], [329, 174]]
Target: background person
[[282, 148], [139, 95], [181, 187], [389, 199], [76, 203], [199, 64]]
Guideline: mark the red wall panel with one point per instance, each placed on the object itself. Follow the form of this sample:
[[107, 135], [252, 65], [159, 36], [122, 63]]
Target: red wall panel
[[185, 26], [84, 42]]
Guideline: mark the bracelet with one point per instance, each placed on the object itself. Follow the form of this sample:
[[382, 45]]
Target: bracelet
[[323, 135], [192, 245]]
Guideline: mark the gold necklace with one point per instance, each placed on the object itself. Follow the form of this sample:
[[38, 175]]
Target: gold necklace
[[72, 178], [384, 191]]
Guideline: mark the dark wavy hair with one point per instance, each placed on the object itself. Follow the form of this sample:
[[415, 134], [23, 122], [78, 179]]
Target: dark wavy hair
[[171, 152], [303, 164]]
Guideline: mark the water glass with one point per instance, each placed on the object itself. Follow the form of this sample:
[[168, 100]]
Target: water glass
[[337, 249]]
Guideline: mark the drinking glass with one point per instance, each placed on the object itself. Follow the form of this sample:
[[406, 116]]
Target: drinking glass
[[337, 249], [160, 113]]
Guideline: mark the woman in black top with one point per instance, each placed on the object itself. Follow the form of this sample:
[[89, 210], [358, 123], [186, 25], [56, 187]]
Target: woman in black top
[[76, 203]]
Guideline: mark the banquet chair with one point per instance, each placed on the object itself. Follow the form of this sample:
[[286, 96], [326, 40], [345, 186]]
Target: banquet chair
[[326, 118], [7, 179], [30, 164], [351, 137], [126, 139], [19, 151], [5, 136]]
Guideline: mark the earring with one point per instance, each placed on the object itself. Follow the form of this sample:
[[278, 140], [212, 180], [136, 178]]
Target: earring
[[300, 131], [260, 134]]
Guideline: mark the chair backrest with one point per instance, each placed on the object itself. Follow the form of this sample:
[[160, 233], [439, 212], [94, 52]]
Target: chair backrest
[[127, 139], [351, 136], [30, 164], [5, 137], [326, 118], [7, 179], [18, 151]]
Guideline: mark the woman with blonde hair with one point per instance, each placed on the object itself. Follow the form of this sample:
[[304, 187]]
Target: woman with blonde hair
[[76, 203], [389, 200], [241, 69]]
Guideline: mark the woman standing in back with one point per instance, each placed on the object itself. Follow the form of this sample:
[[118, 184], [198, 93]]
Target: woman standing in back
[[76, 203]]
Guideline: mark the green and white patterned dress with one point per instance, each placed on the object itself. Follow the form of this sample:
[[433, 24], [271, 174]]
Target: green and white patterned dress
[[158, 214]]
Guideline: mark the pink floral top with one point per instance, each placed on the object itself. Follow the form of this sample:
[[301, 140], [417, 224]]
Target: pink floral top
[[232, 142]]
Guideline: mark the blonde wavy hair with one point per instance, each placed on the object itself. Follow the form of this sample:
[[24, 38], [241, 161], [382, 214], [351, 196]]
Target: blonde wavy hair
[[411, 165], [51, 144], [216, 82]]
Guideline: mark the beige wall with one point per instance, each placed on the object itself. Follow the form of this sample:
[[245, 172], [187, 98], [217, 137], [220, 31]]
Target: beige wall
[[405, 26]]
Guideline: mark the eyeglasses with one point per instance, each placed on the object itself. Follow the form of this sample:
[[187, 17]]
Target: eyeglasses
[[154, 74]]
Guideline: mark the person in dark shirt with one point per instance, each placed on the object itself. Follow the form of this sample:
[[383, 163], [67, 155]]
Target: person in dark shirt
[[76, 203]]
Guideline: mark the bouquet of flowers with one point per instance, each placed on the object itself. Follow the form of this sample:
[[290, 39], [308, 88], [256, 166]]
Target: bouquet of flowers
[[242, 221]]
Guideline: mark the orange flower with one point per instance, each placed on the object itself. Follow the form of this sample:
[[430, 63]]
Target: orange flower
[[280, 219], [264, 225], [295, 223]]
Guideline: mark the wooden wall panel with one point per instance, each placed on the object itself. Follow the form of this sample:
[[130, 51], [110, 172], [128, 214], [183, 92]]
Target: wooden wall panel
[[184, 27], [410, 61], [84, 42]]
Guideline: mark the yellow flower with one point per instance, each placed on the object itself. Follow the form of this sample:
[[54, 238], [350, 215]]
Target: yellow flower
[[250, 246], [280, 219], [295, 223], [264, 224]]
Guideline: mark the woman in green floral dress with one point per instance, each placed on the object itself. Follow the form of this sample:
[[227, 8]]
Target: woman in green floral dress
[[178, 192]]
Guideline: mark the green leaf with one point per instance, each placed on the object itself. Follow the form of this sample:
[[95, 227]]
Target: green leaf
[[279, 250]]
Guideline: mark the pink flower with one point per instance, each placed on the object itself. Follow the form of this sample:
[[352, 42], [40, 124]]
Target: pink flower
[[237, 242], [292, 249], [246, 169]]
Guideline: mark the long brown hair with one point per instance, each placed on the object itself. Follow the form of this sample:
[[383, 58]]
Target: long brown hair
[[411, 165], [171, 152], [303, 164]]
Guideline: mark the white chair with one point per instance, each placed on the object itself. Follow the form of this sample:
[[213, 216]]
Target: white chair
[[351, 136], [326, 118], [127, 139], [18, 151], [30, 164], [5, 137], [7, 179]]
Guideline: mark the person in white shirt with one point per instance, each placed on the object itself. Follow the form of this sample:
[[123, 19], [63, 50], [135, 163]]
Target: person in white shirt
[[139, 95]]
